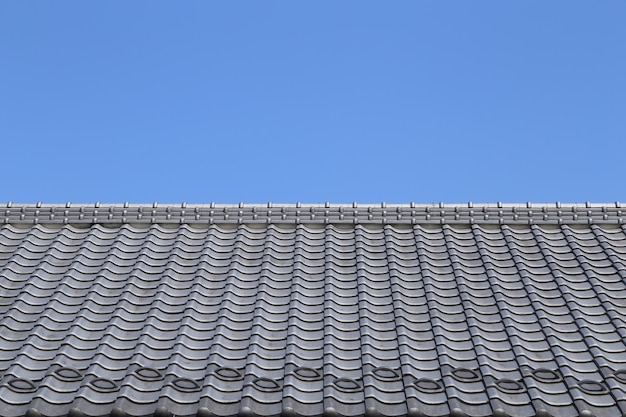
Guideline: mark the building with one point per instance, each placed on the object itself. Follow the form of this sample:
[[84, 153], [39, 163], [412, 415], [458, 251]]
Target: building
[[311, 310]]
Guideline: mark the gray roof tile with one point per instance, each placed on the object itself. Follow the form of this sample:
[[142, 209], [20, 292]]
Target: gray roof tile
[[317, 310]]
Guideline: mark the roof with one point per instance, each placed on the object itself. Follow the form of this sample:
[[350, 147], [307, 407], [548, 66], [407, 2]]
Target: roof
[[303, 310]]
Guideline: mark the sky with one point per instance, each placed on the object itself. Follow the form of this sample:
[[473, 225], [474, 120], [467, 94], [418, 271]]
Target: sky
[[294, 101]]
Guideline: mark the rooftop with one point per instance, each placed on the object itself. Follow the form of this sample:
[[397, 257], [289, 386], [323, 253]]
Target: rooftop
[[311, 310]]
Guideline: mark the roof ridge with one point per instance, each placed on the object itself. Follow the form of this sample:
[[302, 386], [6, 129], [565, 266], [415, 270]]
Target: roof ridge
[[270, 204], [326, 213]]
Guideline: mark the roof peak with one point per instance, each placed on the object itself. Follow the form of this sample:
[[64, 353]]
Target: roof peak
[[270, 204], [325, 213]]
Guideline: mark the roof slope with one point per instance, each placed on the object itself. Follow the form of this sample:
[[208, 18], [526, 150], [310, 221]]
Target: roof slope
[[380, 313]]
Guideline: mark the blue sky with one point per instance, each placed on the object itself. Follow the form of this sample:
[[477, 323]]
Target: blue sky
[[345, 101]]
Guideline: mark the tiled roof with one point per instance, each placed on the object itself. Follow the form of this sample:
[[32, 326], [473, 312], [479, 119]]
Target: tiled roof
[[300, 310]]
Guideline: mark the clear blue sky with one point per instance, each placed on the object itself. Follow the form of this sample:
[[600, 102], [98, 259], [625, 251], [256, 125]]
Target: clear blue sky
[[315, 101]]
